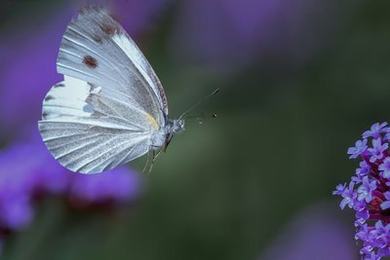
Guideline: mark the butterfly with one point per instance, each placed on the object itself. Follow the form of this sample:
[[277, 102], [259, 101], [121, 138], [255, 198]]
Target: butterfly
[[110, 108]]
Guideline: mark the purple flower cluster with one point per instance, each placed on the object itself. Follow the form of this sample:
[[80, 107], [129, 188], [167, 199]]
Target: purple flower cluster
[[28, 173], [368, 192]]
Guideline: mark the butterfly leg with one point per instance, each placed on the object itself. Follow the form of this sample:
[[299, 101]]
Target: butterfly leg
[[154, 157], [149, 159]]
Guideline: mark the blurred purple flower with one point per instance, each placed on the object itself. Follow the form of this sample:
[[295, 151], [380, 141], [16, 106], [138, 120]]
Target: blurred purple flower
[[28, 71], [369, 194], [137, 16], [16, 211], [117, 185], [227, 33], [28, 171], [316, 233], [28, 58]]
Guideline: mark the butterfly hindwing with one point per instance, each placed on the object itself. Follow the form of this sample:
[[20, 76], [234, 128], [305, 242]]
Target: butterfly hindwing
[[86, 135]]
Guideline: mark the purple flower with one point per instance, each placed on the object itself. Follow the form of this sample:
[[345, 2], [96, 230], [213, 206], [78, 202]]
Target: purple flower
[[375, 130], [117, 185], [362, 213], [16, 210], [386, 204], [349, 196], [21, 168], [382, 234], [340, 189], [364, 233], [377, 149], [310, 235], [365, 190], [385, 168], [359, 148], [371, 198], [27, 170], [364, 169], [387, 137], [357, 179]]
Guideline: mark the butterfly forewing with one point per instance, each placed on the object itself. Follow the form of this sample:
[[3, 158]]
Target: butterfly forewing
[[96, 49]]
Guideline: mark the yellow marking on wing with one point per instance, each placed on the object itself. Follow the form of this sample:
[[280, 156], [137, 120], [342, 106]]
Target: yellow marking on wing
[[152, 121]]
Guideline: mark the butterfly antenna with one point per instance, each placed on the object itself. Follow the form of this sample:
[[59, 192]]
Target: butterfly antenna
[[185, 113], [199, 118]]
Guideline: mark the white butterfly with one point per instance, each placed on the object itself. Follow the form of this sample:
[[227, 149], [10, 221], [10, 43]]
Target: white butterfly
[[111, 107]]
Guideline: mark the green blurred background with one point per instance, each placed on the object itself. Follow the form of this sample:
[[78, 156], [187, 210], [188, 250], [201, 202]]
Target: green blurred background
[[297, 89]]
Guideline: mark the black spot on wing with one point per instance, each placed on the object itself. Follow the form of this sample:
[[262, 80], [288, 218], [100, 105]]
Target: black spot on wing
[[91, 86], [97, 39], [109, 28], [47, 98], [59, 85], [90, 61]]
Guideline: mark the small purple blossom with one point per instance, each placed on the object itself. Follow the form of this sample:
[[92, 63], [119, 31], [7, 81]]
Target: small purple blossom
[[386, 204], [357, 179], [376, 130], [362, 213], [377, 149], [359, 148], [339, 189], [385, 168], [364, 169], [364, 233], [382, 234], [368, 192], [365, 190], [349, 196]]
